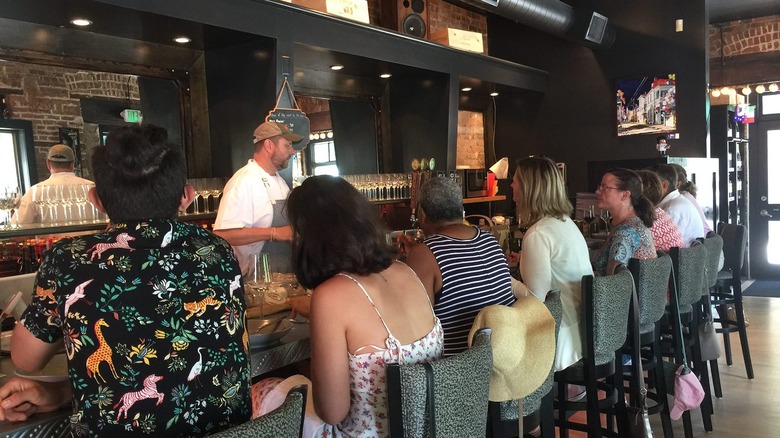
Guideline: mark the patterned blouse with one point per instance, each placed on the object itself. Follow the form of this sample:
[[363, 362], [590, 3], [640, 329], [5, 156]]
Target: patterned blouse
[[629, 239], [666, 233], [152, 316], [368, 388]]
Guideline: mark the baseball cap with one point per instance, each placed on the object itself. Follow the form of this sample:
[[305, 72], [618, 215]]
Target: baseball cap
[[61, 153], [272, 129], [688, 392]]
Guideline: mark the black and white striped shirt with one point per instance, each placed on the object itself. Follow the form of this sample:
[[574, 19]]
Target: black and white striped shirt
[[474, 274]]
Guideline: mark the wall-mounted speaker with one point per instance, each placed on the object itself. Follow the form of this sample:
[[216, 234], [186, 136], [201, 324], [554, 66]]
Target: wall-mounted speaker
[[409, 17]]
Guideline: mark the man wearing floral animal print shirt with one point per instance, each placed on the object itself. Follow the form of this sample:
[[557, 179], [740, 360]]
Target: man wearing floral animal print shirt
[[151, 311]]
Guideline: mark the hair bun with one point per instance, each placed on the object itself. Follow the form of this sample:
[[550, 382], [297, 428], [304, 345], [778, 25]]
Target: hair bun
[[134, 151]]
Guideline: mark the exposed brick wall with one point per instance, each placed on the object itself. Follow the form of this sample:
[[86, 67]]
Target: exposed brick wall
[[441, 15], [471, 140], [49, 97], [444, 15], [745, 37]]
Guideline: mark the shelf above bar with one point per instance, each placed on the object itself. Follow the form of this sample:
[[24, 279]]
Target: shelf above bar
[[484, 199]]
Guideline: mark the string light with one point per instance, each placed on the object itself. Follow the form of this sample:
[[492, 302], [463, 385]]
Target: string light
[[773, 87], [760, 89], [746, 91]]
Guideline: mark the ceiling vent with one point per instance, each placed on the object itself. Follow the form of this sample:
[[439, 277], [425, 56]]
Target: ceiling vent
[[554, 17]]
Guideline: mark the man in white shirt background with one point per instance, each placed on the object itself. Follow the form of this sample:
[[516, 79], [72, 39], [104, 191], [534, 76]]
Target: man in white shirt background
[[59, 160], [682, 211], [251, 213]]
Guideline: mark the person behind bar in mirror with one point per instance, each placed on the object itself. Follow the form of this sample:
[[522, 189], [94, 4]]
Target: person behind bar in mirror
[[366, 310], [462, 267], [152, 320], [251, 214], [60, 161]]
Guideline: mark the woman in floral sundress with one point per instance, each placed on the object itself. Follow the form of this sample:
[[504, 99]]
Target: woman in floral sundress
[[366, 310]]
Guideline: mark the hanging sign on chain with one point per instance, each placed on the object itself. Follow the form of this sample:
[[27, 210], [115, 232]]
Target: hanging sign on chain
[[289, 113]]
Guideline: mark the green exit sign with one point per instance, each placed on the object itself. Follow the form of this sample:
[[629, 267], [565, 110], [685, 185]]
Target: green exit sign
[[131, 115]]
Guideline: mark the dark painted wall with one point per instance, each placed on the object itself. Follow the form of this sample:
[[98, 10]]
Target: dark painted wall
[[575, 121], [241, 91], [419, 111], [354, 130]]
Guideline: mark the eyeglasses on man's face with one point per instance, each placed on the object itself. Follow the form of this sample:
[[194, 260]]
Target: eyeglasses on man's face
[[602, 187]]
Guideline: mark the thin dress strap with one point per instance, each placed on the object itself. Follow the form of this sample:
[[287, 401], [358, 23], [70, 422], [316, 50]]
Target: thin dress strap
[[392, 342]]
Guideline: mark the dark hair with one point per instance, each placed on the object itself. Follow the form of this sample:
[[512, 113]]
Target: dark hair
[[442, 200], [651, 185], [666, 173], [628, 180], [682, 177], [138, 174], [335, 229]]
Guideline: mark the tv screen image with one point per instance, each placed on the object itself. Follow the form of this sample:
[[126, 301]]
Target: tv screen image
[[646, 105]]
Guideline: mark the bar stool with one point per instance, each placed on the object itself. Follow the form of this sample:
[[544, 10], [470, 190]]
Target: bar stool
[[606, 308], [503, 417], [714, 244], [651, 277], [688, 266], [728, 291]]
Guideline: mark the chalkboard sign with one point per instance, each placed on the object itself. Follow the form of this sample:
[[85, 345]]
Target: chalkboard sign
[[288, 113], [296, 120]]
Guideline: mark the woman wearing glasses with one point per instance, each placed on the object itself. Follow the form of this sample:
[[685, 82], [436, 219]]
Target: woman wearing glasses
[[620, 192], [555, 255]]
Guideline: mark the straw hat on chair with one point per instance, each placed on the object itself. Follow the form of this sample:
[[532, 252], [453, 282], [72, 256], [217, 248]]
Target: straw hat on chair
[[523, 344]]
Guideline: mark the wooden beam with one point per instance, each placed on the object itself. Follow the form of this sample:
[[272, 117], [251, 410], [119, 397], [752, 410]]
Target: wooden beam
[[745, 69]]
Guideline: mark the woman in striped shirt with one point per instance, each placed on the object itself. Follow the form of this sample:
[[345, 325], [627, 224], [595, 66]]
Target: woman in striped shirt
[[462, 267]]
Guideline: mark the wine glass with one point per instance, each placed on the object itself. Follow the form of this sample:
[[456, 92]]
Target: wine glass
[[606, 218], [260, 278], [16, 202], [39, 194], [589, 215], [204, 190], [216, 186], [6, 199]]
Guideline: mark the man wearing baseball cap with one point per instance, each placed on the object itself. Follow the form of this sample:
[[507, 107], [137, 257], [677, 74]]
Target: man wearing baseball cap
[[59, 161], [251, 213]]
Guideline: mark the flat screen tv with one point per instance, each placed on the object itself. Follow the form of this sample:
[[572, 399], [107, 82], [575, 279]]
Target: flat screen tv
[[646, 105]]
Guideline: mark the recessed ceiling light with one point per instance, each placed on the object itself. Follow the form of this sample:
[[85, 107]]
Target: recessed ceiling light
[[80, 22], [385, 75], [494, 94], [336, 67], [465, 89], [182, 39]]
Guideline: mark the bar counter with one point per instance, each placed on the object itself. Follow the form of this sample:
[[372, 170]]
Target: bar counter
[[292, 348]]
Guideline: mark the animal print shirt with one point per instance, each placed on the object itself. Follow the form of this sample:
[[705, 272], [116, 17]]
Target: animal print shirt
[[152, 316]]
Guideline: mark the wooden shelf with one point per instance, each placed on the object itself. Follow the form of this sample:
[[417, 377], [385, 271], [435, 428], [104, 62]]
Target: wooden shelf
[[484, 199]]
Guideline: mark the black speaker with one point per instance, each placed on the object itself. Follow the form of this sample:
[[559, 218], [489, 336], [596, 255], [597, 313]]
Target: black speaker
[[409, 17]]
